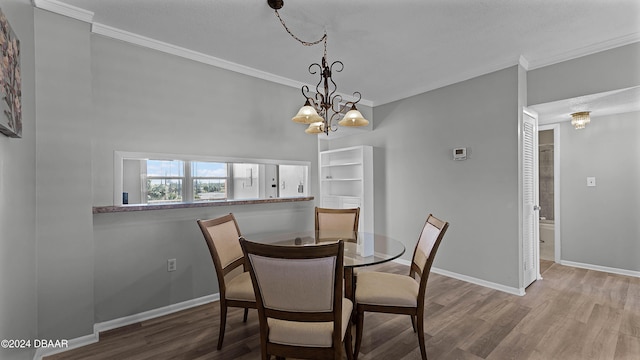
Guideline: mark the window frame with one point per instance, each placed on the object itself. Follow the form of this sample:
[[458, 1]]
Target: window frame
[[187, 186]]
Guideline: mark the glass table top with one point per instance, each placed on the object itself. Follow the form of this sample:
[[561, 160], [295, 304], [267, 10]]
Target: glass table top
[[360, 249]]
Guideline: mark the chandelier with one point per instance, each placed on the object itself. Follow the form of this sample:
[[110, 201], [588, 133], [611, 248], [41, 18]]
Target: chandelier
[[579, 120], [322, 111]]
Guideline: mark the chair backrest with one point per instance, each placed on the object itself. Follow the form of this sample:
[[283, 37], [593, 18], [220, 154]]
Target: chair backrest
[[297, 283], [337, 223], [222, 236], [425, 251]]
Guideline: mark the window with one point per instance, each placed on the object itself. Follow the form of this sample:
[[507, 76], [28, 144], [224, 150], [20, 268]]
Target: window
[[164, 181], [209, 180], [162, 178]]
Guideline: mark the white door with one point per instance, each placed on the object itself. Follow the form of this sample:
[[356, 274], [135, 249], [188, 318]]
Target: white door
[[530, 220]]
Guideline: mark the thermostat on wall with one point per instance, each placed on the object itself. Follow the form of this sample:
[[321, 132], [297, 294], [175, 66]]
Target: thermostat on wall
[[460, 154]]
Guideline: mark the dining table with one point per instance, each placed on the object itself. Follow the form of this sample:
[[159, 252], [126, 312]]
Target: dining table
[[360, 248]]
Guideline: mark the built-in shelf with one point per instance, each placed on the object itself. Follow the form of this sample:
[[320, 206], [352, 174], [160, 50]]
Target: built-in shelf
[[343, 164], [182, 205], [346, 181]]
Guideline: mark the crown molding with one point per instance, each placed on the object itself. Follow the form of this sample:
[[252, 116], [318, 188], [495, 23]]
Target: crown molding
[[460, 77], [64, 9], [584, 51], [154, 44], [529, 64]]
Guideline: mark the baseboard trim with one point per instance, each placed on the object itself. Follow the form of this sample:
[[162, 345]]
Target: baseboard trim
[[124, 321], [470, 279], [72, 344], [154, 313], [601, 268]]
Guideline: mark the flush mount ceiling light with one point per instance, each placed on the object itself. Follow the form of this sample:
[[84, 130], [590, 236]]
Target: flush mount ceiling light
[[580, 119], [324, 109]]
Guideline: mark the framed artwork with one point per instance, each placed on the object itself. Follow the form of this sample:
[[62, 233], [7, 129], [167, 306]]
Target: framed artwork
[[10, 81]]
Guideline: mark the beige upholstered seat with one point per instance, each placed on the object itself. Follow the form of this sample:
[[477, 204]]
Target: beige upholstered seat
[[401, 294], [377, 288], [299, 298], [236, 289]]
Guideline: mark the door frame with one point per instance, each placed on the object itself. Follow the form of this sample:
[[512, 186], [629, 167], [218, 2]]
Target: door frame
[[556, 189], [525, 111]]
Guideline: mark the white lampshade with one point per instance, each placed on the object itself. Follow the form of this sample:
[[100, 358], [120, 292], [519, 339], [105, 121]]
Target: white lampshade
[[353, 117], [580, 120], [307, 114], [315, 128]]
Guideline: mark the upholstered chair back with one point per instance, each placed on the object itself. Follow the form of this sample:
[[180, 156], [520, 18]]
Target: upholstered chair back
[[337, 223], [284, 283]]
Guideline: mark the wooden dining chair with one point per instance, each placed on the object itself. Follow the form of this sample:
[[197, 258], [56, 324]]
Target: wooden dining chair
[[337, 223], [401, 294], [302, 311], [333, 224], [222, 236]]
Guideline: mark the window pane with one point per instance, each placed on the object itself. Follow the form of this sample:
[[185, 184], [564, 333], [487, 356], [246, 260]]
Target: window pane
[[165, 168], [164, 190], [209, 189], [208, 169]]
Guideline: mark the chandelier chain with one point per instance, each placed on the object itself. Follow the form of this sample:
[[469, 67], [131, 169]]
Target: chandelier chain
[[305, 43]]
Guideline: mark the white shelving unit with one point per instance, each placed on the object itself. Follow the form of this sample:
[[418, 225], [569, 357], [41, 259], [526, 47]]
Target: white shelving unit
[[346, 181]]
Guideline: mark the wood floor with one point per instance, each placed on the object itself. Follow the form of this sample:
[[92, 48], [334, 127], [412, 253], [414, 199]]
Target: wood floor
[[571, 314]]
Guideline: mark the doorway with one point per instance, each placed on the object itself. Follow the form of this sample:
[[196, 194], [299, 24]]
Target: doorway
[[549, 190]]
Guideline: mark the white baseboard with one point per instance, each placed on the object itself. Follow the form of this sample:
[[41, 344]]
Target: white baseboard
[[166, 310], [72, 344], [124, 321], [601, 268], [470, 279]]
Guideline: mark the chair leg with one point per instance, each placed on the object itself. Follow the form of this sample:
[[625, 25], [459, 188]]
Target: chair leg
[[423, 348], [348, 346], [246, 312], [413, 322], [223, 323], [359, 327]]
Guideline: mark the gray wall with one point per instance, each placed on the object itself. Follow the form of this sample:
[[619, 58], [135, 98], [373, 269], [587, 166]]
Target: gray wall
[[599, 225], [97, 95], [147, 101], [597, 241], [63, 179], [604, 71], [415, 174], [18, 307]]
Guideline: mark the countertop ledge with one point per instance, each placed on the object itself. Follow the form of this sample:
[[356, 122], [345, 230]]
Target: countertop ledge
[[184, 205]]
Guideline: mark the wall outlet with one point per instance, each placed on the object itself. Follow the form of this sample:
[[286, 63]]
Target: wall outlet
[[172, 265]]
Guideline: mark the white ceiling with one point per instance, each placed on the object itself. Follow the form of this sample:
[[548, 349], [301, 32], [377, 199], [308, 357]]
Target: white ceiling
[[390, 49], [602, 104]]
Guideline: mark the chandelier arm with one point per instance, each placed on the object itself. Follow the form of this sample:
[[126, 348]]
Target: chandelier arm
[[321, 95], [305, 93], [335, 104], [331, 125], [330, 78], [356, 93]]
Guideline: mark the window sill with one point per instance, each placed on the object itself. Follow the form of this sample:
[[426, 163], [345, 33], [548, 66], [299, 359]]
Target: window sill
[[183, 205]]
